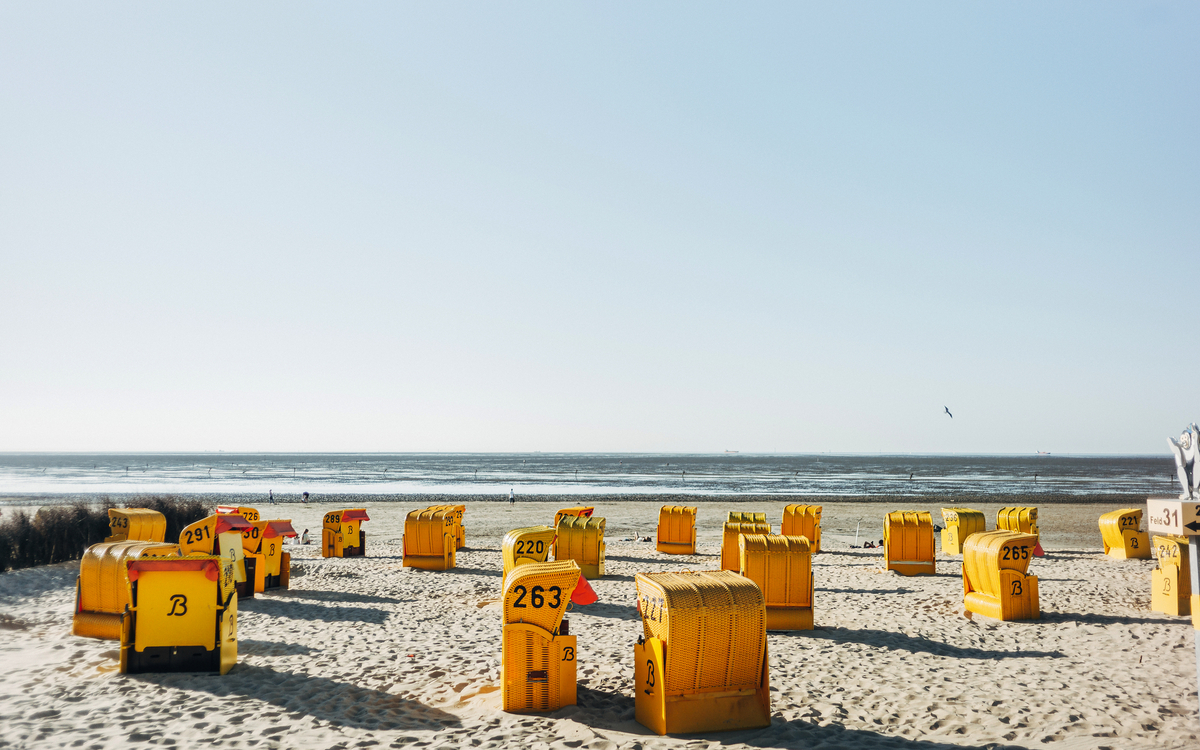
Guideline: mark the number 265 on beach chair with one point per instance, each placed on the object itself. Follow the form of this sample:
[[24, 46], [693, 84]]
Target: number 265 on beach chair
[[995, 583], [183, 617], [701, 664]]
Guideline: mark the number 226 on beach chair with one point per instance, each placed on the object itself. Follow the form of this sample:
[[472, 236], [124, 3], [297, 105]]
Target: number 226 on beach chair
[[183, 617], [701, 664], [537, 670]]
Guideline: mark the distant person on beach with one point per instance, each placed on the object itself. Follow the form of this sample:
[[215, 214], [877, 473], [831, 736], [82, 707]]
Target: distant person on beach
[[304, 499], [304, 537], [271, 496], [512, 499]]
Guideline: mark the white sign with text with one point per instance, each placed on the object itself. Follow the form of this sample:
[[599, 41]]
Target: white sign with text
[[1173, 517]]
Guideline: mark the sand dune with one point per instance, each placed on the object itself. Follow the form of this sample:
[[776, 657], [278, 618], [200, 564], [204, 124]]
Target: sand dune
[[366, 653]]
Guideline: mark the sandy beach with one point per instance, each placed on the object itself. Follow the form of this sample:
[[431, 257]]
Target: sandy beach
[[366, 653]]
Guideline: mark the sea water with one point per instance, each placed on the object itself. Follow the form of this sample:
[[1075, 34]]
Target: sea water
[[288, 475]]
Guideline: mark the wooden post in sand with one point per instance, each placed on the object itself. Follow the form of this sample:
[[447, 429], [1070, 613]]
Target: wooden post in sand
[[1182, 519]]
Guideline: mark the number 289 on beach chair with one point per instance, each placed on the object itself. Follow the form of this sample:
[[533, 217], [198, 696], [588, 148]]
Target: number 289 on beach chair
[[538, 654], [183, 617], [701, 663], [342, 534]]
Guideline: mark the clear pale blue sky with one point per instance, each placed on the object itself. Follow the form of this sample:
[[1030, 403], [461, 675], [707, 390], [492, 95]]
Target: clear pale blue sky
[[682, 227]]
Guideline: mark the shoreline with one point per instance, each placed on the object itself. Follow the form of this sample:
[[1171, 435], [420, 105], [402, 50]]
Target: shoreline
[[666, 498]]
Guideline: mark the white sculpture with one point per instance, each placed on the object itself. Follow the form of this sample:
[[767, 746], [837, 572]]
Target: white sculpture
[[1186, 451]]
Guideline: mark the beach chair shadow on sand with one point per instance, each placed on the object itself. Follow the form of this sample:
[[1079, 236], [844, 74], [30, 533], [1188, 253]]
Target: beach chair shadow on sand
[[324, 699], [613, 711], [915, 644], [302, 610]]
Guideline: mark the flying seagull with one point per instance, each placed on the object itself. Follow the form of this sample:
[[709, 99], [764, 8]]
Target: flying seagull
[[947, 408]]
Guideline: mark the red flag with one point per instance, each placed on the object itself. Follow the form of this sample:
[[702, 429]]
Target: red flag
[[1037, 551], [583, 593]]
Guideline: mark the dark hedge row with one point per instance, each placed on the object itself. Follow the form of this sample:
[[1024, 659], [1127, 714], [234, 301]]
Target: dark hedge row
[[56, 533]]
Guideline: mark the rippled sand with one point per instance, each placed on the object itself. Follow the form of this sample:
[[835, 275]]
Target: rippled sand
[[365, 653]]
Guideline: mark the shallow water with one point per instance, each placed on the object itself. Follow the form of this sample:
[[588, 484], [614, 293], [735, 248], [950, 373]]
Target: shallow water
[[287, 475]]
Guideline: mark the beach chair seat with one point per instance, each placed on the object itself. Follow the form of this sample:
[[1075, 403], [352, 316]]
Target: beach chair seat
[[102, 589], [995, 580], [677, 530], [342, 534], [456, 520], [701, 663], [580, 510], [1120, 531], [182, 618], [782, 568], [429, 541], [1171, 581], [730, 532], [805, 521], [1021, 519], [136, 525], [960, 523], [581, 538], [529, 545], [538, 658], [908, 544]]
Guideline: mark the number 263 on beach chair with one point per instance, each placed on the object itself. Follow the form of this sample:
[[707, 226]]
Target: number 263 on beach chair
[[538, 654]]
